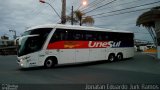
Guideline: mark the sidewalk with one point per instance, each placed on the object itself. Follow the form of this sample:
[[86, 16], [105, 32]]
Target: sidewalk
[[151, 52]]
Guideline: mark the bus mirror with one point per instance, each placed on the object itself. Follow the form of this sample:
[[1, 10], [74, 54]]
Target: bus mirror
[[16, 41]]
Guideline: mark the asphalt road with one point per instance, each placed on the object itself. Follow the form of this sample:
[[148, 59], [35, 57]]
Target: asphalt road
[[140, 69]]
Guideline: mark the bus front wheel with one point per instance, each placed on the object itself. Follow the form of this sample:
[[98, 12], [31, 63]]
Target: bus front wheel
[[49, 63]]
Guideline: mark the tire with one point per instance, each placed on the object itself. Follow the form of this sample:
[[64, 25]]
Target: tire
[[111, 57], [49, 63], [119, 56]]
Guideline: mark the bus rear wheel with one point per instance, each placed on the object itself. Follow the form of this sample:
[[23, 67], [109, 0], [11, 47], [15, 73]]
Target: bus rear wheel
[[49, 63], [111, 57], [119, 56]]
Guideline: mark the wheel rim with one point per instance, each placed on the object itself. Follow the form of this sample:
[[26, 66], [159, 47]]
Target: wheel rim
[[49, 63], [111, 58], [119, 57]]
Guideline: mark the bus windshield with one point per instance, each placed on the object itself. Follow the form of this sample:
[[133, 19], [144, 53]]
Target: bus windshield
[[34, 42]]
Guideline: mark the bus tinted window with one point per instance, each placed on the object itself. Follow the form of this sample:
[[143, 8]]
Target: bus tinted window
[[62, 34], [88, 36], [58, 35], [85, 35], [78, 35], [106, 36]]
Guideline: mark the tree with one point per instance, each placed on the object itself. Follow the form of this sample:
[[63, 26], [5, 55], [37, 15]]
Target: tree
[[147, 19], [79, 17]]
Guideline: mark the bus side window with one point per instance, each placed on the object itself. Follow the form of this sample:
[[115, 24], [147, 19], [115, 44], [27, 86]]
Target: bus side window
[[104, 36], [57, 36], [99, 36], [109, 36], [62, 34], [67, 34], [94, 36], [78, 35], [89, 36], [53, 38]]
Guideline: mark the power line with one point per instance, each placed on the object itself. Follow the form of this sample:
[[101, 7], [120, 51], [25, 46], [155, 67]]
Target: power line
[[38, 11], [123, 13], [53, 9], [101, 6], [127, 8], [76, 4], [90, 4], [118, 24], [51, 1], [126, 30], [122, 4], [95, 4]]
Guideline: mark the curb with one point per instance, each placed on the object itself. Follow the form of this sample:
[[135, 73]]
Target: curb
[[152, 54]]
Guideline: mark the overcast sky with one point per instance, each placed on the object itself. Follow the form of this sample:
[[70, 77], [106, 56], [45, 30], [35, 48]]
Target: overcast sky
[[20, 14]]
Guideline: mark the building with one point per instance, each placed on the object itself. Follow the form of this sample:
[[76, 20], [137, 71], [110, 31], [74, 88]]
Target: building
[[7, 47]]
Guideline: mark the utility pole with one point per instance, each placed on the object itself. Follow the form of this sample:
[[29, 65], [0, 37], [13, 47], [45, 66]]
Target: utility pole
[[72, 16], [63, 13]]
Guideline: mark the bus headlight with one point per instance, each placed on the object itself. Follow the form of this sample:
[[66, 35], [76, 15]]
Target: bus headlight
[[21, 60], [21, 64]]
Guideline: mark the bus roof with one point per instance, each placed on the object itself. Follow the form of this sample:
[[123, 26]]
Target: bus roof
[[76, 27]]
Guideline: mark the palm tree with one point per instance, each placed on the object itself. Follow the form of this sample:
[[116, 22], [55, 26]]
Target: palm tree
[[79, 17], [88, 20]]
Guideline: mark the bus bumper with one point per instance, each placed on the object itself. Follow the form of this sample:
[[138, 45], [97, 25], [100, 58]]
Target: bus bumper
[[22, 63]]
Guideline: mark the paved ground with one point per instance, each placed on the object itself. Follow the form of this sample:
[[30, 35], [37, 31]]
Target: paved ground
[[140, 69]]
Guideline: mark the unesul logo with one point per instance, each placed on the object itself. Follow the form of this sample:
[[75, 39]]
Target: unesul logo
[[104, 44]]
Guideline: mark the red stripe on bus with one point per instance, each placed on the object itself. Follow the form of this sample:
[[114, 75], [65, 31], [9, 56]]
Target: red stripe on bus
[[78, 44]]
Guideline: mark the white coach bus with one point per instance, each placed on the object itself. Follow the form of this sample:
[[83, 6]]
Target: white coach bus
[[49, 45]]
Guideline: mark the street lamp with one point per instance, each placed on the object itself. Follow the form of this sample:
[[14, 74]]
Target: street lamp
[[15, 35], [84, 3], [42, 1]]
